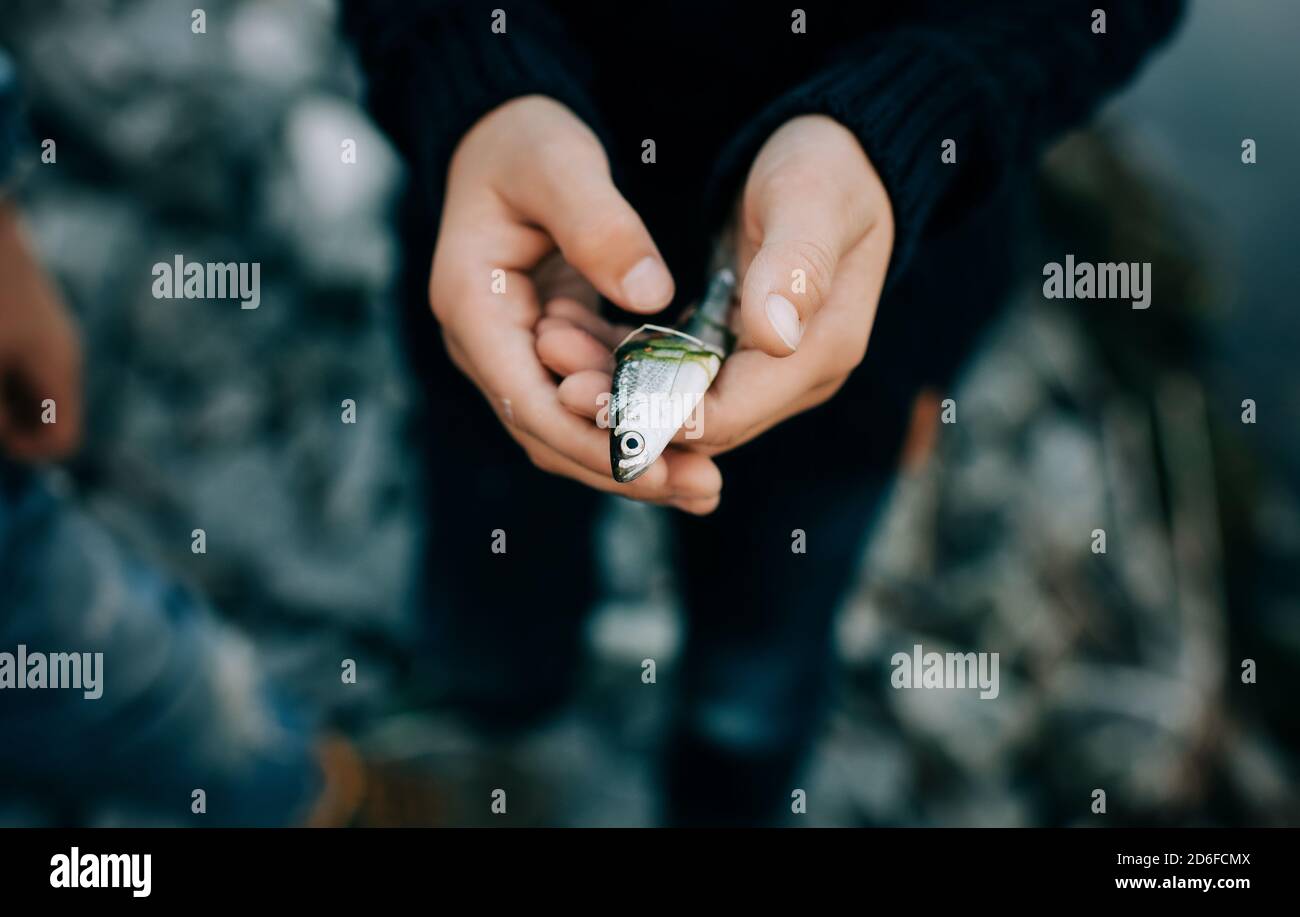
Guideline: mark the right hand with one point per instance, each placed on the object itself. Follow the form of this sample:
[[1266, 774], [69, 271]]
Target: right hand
[[40, 354], [529, 193]]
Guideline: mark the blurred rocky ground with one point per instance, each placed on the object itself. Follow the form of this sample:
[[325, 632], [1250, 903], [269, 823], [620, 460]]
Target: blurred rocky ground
[[1118, 671]]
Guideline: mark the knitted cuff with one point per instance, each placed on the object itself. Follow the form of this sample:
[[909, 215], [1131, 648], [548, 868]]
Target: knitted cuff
[[902, 96]]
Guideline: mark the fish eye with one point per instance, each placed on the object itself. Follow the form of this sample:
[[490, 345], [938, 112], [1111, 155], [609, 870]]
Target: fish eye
[[631, 443]]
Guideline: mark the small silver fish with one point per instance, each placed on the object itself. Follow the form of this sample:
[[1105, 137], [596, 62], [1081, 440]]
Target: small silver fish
[[661, 374]]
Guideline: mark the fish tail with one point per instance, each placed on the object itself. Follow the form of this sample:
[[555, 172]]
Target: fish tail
[[708, 321]]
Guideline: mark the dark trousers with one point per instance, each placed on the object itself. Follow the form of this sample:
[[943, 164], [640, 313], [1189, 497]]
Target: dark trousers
[[506, 630], [758, 656]]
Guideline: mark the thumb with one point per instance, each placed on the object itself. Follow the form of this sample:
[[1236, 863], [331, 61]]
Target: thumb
[[804, 227], [595, 227], [785, 285]]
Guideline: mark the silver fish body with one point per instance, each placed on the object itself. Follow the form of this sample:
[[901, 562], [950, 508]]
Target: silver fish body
[[661, 375]]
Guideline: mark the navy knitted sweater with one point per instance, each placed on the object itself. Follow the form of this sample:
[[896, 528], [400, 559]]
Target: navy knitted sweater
[[710, 81]]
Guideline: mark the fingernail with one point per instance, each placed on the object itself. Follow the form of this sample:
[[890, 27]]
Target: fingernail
[[784, 318], [648, 285]]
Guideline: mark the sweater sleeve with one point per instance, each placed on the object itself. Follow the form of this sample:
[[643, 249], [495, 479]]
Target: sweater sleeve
[[434, 67], [1002, 78]]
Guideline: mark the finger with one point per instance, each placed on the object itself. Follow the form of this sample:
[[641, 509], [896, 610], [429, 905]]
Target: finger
[[488, 326], [58, 379], [595, 227], [42, 405], [749, 396], [804, 227], [608, 333], [680, 477], [697, 507], [691, 475], [754, 392], [37, 444], [490, 338], [751, 387], [489, 332], [555, 279], [531, 411], [652, 485], [565, 349], [586, 393]]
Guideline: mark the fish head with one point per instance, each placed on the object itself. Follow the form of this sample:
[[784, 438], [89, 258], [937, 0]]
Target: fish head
[[637, 440], [659, 378]]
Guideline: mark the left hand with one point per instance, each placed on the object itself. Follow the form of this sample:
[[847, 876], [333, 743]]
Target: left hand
[[814, 232]]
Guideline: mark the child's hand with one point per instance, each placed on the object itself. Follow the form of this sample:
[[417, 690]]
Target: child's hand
[[40, 355], [530, 178], [814, 233]]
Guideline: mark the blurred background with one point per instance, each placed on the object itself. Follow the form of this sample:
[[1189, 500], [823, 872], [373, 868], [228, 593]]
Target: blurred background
[[1120, 670]]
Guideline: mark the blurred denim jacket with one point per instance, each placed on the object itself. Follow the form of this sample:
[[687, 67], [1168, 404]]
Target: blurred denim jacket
[[178, 703]]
